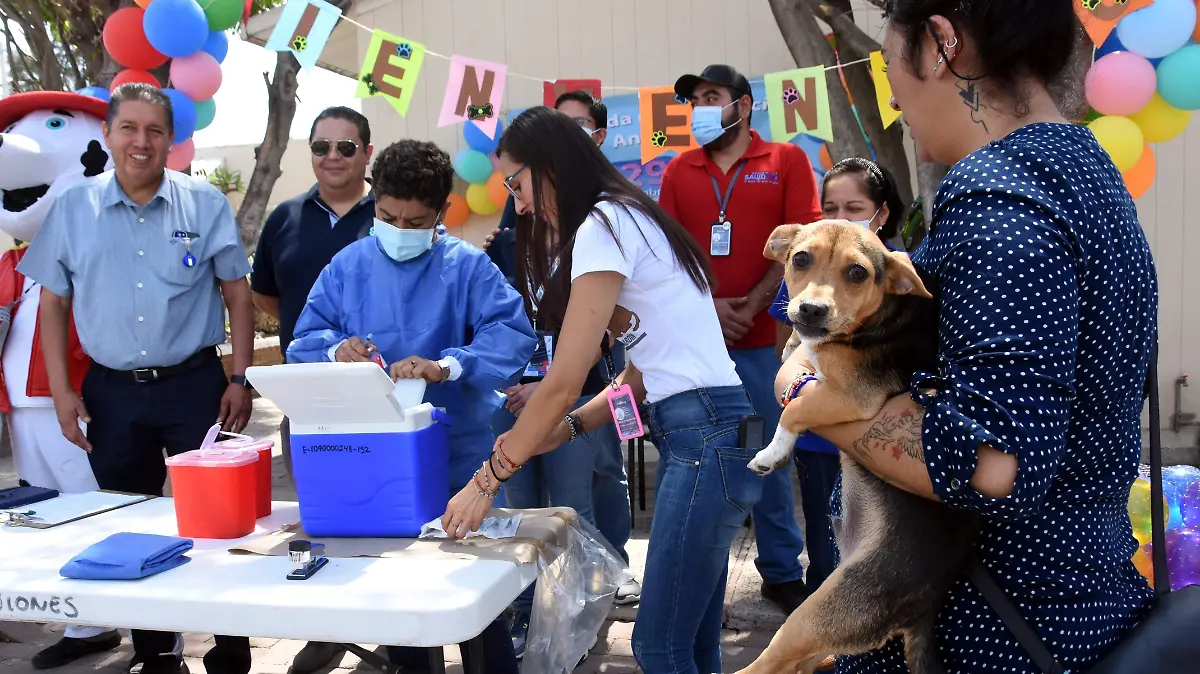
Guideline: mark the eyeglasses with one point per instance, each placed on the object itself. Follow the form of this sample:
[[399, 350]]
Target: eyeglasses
[[507, 183], [321, 147]]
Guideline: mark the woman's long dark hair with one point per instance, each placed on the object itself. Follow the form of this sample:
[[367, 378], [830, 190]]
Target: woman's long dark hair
[[551, 146], [878, 184]]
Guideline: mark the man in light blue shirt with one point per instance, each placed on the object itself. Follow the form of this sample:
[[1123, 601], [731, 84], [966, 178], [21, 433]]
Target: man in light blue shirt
[[143, 258]]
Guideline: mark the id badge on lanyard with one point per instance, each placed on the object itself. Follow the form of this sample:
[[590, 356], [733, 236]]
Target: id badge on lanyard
[[720, 240], [621, 404]]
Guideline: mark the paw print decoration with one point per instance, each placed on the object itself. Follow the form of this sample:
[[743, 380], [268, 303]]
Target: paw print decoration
[[300, 43], [790, 95], [404, 50], [658, 139]]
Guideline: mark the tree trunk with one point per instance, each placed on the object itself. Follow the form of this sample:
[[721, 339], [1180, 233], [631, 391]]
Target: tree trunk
[[281, 109], [808, 47]]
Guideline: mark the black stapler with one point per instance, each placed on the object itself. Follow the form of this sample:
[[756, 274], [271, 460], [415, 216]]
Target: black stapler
[[307, 558]]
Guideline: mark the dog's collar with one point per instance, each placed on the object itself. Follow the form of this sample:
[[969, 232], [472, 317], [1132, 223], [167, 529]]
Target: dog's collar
[[793, 389]]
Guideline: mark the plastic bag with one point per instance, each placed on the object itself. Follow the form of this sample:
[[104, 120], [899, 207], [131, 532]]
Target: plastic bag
[[575, 592]]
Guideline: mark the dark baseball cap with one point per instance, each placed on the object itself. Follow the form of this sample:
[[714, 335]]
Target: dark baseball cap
[[717, 74]]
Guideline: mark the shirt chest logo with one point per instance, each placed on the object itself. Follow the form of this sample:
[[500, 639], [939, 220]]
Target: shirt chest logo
[[762, 178]]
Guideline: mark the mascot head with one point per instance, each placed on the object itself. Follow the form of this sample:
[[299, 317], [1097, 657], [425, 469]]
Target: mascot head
[[49, 140]]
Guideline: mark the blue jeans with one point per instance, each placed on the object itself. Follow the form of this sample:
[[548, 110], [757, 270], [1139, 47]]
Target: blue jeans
[[704, 492], [775, 528], [818, 472], [568, 477]]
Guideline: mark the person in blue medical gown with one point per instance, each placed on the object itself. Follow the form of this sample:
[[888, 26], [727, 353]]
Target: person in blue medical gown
[[432, 307]]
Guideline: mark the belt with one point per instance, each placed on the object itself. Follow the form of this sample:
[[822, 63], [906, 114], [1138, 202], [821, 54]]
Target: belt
[[151, 374]]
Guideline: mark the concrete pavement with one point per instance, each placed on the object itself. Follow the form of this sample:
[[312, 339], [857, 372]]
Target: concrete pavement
[[750, 622]]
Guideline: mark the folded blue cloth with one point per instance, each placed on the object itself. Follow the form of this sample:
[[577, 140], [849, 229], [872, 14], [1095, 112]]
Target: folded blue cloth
[[127, 556]]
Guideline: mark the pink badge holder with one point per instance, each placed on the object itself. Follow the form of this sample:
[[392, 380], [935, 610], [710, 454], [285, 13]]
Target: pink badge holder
[[625, 413]]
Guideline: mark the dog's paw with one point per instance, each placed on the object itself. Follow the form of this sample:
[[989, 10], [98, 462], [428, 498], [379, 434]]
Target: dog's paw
[[774, 455]]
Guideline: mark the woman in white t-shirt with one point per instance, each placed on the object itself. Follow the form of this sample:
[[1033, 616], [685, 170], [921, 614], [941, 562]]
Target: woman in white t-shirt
[[626, 270]]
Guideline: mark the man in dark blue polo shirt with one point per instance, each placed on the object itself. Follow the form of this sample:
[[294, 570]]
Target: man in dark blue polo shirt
[[299, 239]]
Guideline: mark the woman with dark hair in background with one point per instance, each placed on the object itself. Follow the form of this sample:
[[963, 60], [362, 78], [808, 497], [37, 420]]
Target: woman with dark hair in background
[[865, 193], [608, 258], [1048, 317]]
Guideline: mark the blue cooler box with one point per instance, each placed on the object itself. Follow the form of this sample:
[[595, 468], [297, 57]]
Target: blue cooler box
[[369, 458]]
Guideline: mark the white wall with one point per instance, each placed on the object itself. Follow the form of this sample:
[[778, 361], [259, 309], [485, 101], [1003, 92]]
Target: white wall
[[296, 166]]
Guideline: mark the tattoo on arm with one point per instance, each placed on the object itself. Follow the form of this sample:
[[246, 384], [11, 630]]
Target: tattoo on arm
[[971, 98], [895, 435]]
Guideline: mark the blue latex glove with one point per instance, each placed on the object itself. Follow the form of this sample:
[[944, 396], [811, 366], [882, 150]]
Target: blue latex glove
[[128, 556]]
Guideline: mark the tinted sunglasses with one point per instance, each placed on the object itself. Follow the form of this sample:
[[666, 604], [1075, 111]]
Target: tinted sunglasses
[[321, 147]]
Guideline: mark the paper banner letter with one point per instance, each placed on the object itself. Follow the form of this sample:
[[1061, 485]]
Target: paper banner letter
[[474, 92], [666, 124], [883, 89], [1099, 17], [303, 28], [390, 69], [798, 102], [552, 90]]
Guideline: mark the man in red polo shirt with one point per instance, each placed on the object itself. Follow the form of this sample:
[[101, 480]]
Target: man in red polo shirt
[[731, 193]]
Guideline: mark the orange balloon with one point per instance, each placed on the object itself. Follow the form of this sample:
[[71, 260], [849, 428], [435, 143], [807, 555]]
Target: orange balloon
[[1196, 30], [1143, 563], [1140, 177], [144, 3], [497, 193], [458, 212]]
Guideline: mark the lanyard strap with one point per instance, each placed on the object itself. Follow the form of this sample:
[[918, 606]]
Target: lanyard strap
[[723, 202], [606, 352]]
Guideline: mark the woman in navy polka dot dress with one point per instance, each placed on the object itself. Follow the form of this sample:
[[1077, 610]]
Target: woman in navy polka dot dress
[[1048, 311]]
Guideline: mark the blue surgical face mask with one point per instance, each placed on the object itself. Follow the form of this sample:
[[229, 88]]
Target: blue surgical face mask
[[867, 223], [706, 123], [402, 244]]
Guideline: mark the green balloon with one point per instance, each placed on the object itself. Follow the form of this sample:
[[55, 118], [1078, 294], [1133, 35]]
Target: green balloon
[[1091, 116], [205, 112], [222, 14]]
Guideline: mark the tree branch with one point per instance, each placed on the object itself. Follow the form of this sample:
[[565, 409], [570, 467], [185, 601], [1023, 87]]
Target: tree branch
[[881, 4], [849, 35]]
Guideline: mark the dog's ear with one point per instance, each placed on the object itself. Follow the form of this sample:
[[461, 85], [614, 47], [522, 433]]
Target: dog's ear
[[780, 242], [900, 276]]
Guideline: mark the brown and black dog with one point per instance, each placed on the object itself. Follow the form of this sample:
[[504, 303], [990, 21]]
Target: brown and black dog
[[866, 323]]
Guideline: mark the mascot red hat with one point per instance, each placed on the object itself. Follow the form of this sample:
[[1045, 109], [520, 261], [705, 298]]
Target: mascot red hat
[[13, 108]]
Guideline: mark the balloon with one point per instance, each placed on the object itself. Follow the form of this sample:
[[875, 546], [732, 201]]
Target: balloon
[[176, 28], [1091, 116], [1179, 78], [472, 166], [1139, 509], [458, 212], [1113, 44], [95, 92], [1160, 121], [142, 3], [127, 76], [1176, 480], [1120, 84], [217, 45], [1196, 30], [126, 42], [185, 113], [477, 199], [1139, 178], [1189, 505], [181, 155], [496, 191], [223, 14], [1143, 563], [478, 140], [199, 76], [1183, 557], [1121, 138], [206, 111], [1159, 29]]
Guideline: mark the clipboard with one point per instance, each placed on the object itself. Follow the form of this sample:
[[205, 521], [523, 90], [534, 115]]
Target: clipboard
[[67, 508]]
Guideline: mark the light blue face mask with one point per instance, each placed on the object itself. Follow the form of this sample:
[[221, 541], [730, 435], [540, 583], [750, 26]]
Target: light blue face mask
[[706, 123], [402, 244], [867, 223]]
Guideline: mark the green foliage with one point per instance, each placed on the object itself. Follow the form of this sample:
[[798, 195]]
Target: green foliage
[[225, 180]]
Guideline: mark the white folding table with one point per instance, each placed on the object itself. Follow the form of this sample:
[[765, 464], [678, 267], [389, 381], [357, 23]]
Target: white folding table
[[420, 602]]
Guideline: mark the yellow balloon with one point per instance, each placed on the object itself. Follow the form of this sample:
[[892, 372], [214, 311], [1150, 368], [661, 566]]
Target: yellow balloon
[[478, 200], [1160, 121], [1139, 510], [1121, 138]]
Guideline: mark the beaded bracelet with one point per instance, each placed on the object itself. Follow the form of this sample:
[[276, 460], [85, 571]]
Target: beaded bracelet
[[495, 473], [793, 389], [483, 490], [575, 426], [504, 457]]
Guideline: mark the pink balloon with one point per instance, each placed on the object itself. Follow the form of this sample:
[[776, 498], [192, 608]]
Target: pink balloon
[[181, 155], [1120, 83], [198, 76]]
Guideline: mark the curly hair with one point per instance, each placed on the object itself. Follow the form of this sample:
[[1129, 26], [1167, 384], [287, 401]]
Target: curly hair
[[413, 169]]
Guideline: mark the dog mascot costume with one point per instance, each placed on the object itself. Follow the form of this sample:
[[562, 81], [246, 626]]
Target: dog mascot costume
[[49, 141]]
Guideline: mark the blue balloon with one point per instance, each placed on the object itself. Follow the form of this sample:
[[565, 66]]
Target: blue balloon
[[472, 166], [1113, 44], [1159, 29], [477, 140], [95, 92], [176, 28], [185, 111], [1179, 78], [217, 45]]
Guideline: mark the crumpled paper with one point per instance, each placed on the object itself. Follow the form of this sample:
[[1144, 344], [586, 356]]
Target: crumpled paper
[[493, 527]]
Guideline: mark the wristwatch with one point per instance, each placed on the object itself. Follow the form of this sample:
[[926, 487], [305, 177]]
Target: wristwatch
[[240, 380], [445, 371]]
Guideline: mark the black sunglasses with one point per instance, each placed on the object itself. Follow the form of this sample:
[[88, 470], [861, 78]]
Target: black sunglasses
[[321, 147]]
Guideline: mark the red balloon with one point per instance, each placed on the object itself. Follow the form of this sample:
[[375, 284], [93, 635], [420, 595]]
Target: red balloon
[[126, 41], [127, 76]]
